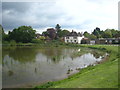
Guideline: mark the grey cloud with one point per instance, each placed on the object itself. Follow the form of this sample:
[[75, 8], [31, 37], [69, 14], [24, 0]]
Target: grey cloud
[[44, 14], [48, 14], [16, 6]]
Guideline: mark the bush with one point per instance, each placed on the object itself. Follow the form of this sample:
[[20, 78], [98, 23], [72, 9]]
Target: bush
[[5, 42], [12, 42], [37, 41]]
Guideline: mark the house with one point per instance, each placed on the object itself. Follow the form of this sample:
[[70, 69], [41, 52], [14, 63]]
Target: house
[[38, 35], [92, 41], [85, 41], [73, 37], [108, 41], [88, 41]]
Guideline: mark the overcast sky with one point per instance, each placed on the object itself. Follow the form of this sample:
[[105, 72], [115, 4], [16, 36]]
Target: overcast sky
[[79, 15]]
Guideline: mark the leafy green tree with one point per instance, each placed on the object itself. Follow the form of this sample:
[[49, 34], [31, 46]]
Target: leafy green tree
[[58, 28], [97, 32], [115, 33], [107, 34], [45, 33], [88, 35], [3, 36], [92, 36], [23, 34], [2, 33], [63, 33], [1, 30]]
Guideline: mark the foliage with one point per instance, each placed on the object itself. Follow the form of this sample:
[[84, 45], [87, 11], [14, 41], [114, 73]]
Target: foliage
[[58, 28], [26, 34], [88, 35], [45, 33], [97, 32], [23, 34], [63, 33], [108, 33], [41, 38], [37, 41], [12, 42], [51, 33], [56, 33], [60, 32]]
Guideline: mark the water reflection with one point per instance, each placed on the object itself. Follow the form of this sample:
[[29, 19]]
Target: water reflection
[[97, 54], [52, 53], [20, 54], [28, 65], [10, 73]]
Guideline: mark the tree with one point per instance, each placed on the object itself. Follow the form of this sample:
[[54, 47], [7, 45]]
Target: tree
[[92, 36], [51, 33], [58, 28], [2, 33], [63, 33], [88, 35], [97, 32], [115, 33], [23, 34], [45, 33], [107, 34], [4, 37]]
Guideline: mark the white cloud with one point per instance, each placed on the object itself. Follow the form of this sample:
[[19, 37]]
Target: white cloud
[[81, 15]]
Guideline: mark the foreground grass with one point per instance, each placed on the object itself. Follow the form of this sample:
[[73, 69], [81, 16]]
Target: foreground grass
[[103, 75]]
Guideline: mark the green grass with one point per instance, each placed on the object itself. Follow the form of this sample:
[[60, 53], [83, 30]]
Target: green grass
[[103, 75], [40, 44]]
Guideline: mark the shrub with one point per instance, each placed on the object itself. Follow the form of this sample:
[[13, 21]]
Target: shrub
[[37, 41], [12, 42]]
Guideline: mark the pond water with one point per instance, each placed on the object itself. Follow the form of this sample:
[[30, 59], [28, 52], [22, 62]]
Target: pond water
[[25, 66]]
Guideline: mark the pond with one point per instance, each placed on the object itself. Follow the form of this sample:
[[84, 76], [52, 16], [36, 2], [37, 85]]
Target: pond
[[28, 66]]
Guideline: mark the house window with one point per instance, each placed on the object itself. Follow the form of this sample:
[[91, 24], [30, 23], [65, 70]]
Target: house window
[[67, 40], [67, 37], [75, 37], [74, 40], [71, 40], [116, 40], [110, 41]]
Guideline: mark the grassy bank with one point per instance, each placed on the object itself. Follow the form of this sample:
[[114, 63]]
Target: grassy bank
[[53, 43], [103, 75]]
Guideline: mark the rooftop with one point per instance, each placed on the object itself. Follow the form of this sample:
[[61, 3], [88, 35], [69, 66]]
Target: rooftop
[[73, 33]]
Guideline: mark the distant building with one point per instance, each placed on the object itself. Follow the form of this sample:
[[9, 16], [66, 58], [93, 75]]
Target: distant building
[[92, 41], [108, 41], [73, 37], [38, 35], [101, 41], [85, 41]]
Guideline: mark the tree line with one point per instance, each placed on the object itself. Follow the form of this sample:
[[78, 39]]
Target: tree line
[[97, 33], [26, 34]]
